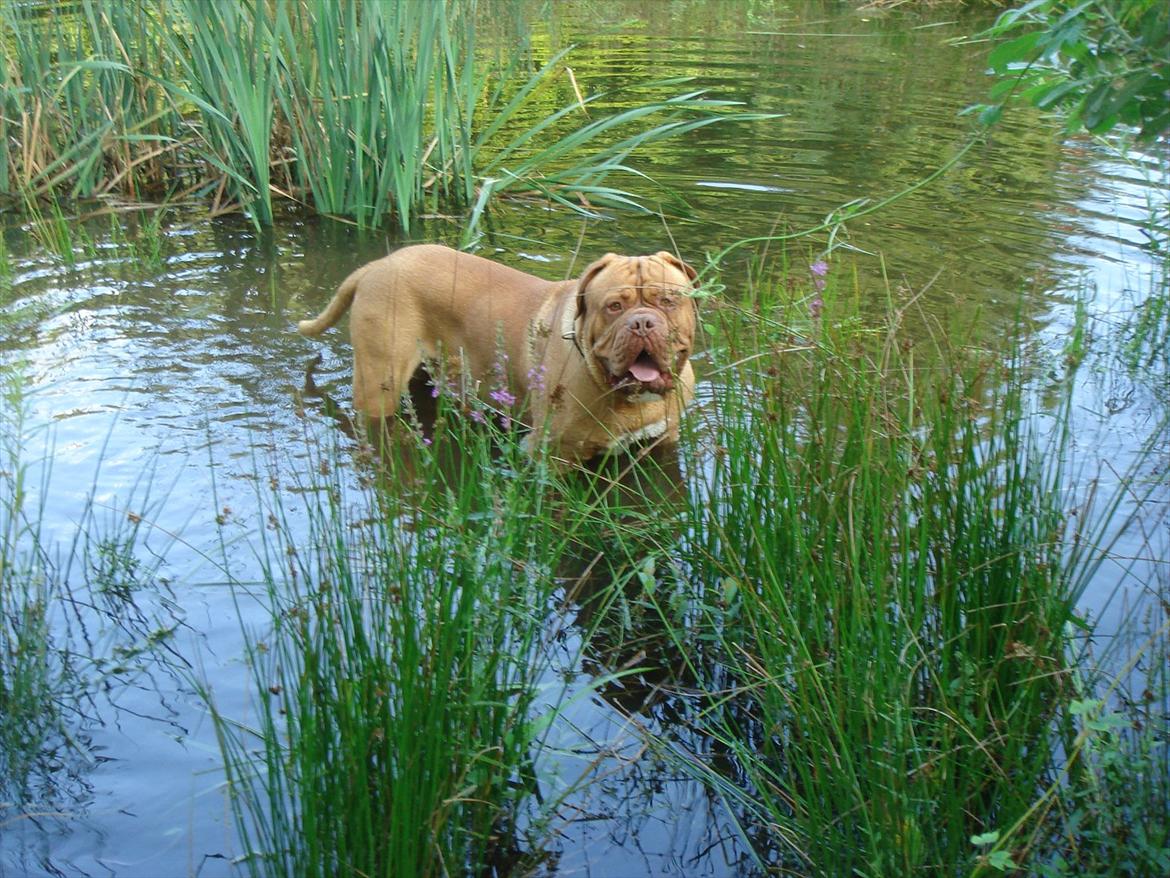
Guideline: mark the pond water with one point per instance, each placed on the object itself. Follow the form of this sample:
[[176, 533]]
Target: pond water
[[162, 370]]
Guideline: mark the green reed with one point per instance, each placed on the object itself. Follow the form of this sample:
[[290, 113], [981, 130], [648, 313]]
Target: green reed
[[378, 112], [85, 111], [368, 104], [229, 59], [398, 718], [69, 626], [29, 683], [882, 543]]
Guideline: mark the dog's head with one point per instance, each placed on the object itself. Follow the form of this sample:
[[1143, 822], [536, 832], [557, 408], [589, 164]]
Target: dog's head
[[636, 320]]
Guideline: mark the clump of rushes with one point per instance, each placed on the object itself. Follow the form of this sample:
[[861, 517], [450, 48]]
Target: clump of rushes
[[398, 717], [881, 534], [378, 112], [69, 627], [30, 679]]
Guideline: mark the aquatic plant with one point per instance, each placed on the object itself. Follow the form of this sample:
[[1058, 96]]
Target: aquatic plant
[[85, 112], [873, 591], [58, 648], [29, 680], [71, 628], [1144, 345], [377, 112], [882, 552], [397, 690], [229, 59]]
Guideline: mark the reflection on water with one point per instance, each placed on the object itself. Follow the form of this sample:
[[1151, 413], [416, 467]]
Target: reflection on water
[[171, 355]]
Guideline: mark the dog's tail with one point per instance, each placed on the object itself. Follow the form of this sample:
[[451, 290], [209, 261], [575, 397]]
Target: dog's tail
[[337, 306]]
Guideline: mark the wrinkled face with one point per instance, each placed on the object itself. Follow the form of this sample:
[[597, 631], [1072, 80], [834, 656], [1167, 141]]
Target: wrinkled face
[[636, 319]]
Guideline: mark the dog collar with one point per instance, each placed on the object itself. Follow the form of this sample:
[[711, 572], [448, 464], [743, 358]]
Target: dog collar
[[569, 333], [568, 325]]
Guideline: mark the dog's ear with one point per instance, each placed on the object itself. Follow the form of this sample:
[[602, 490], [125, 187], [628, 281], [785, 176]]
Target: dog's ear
[[587, 278], [671, 259]]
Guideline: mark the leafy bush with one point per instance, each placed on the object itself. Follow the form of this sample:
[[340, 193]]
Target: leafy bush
[[1105, 62]]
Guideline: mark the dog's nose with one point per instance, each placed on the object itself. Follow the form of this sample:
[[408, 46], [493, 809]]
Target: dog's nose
[[644, 323]]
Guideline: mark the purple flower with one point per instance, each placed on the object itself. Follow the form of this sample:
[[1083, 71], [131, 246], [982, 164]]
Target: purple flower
[[503, 397], [439, 388], [819, 269], [815, 307]]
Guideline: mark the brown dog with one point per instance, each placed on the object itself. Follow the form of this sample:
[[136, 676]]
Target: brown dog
[[602, 360]]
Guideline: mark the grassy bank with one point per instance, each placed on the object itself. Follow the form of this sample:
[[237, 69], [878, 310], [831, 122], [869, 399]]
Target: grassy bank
[[375, 112]]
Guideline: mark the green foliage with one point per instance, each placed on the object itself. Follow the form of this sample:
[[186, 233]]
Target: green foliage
[[1117, 805], [5, 276], [870, 593], [58, 649], [880, 558], [1147, 344], [31, 681], [357, 95], [1144, 343], [897, 540], [1104, 62], [84, 110], [229, 60], [379, 112], [396, 689]]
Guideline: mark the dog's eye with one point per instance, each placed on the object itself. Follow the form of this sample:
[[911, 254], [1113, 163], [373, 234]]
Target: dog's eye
[[667, 303], [614, 307]]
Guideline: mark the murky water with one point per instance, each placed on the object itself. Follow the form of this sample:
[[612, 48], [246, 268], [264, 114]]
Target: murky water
[[165, 369]]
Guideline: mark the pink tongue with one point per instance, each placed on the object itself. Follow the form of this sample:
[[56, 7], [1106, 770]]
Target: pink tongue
[[644, 371]]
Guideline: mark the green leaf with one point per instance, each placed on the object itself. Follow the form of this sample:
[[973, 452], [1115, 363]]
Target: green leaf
[[1005, 87], [1011, 17], [1051, 95], [1017, 51], [991, 115], [646, 575], [1096, 107], [1155, 125], [985, 838], [1134, 83], [1001, 860], [1107, 723]]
